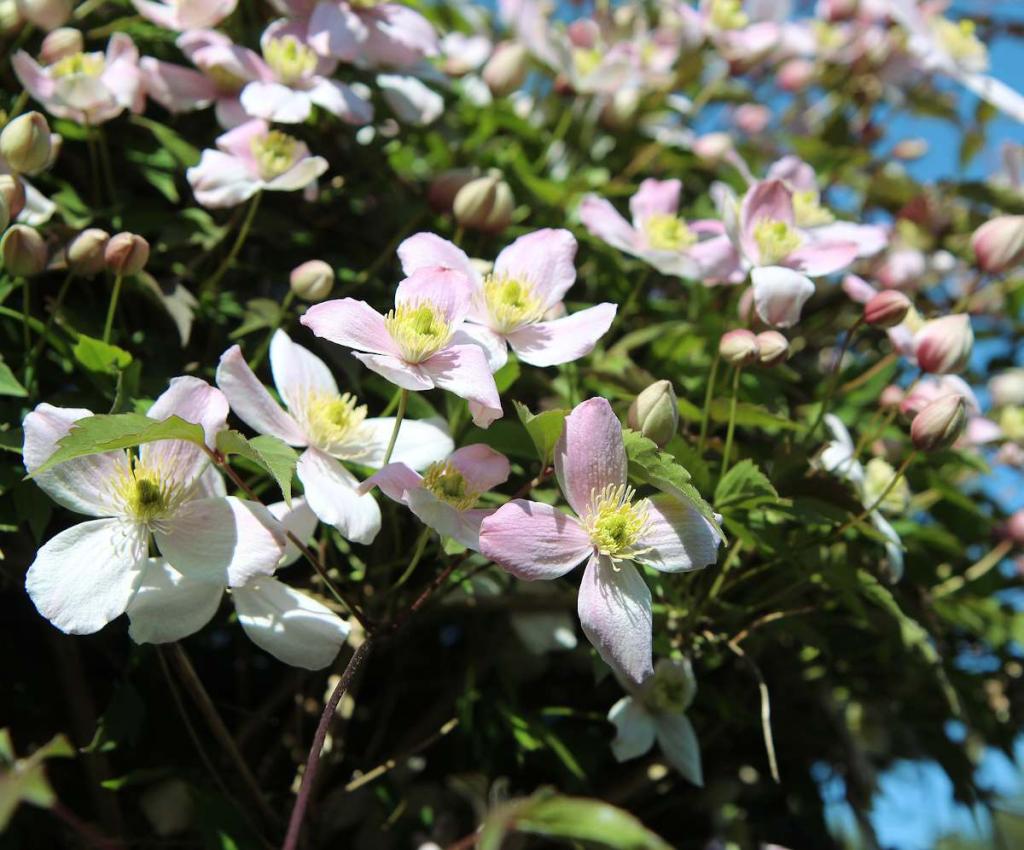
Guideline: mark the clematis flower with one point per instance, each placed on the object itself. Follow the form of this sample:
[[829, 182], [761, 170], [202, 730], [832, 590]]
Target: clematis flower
[[445, 496], [416, 346], [86, 576], [88, 88], [699, 250], [252, 158], [300, 78], [372, 34], [331, 426], [609, 529], [655, 710], [411, 101], [980, 429], [511, 306], [182, 15]]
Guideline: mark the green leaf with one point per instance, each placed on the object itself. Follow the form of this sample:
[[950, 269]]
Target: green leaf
[[121, 723], [170, 141], [744, 486], [107, 433], [24, 780], [544, 429], [9, 385], [99, 356], [269, 453]]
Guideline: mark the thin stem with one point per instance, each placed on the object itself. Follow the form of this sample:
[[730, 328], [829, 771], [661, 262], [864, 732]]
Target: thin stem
[[38, 347], [834, 377], [94, 168], [17, 106], [766, 711], [393, 403], [213, 281], [732, 420], [107, 170], [261, 352], [421, 545], [709, 395], [112, 308], [313, 760], [402, 404], [881, 497], [35, 324], [26, 309]]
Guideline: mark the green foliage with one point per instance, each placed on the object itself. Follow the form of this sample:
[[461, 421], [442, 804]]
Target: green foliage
[[544, 429], [270, 454]]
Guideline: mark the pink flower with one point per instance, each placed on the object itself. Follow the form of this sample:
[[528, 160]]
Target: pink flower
[[610, 528], [444, 497], [416, 345], [87, 575], [511, 305], [332, 427], [89, 88], [185, 14], [372, 36], [700, 250], [252, 158], [299, 79]]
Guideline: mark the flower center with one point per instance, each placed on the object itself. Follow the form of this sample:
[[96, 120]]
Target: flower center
[[224, 78], [275, 153], [446, 482], [586, 60], [959, 39], [364, 4], [419, 330], [775, 240], [665, 232], [666, 692], [808, 211], [615, 522], [728, 14], [331, 420], [144, 494], [84, 64], [511, 303], [289, 58]]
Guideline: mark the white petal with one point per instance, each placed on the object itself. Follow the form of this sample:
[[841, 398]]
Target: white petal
[[679, 744], [168, 605], [298, 372], [679, 538], [330, 490], [634, 729], [420, 442], [251, 402], [300, 520]]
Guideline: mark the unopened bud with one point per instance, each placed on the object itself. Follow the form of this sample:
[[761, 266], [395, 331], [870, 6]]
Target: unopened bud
[[85, 253], [1014, 528], [312, 281], [999, 244], [13, 193], [773, 347], [485, 204], [5, 214], [711, 147], [506, 70], [25, 143], [126, 253], [1011, 423], [939, 424], [443, 188], [891, 396], [59, 44], [45, 14], [795, 74], [944, 345], [1007, 388], [655, 413], [910, 149], [739, 347], [23, 251], [886, 309]]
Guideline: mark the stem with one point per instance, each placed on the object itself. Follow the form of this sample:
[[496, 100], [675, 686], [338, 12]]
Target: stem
[[213, 281], [17, 106], [26, 308], [402, 403], [709, 394], [392, 404], [38, 347], [834, 373], [878, 501], [107, 170], [313, 760], [732, 420], [261, 352], [421, 545], [114, 295]]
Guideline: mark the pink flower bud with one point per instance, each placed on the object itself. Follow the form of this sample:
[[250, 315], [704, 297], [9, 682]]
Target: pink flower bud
[[45, 14], [506, 70], [655, 413], [939, 424], [23, 251], [485, 204], [891, 396], [1007, 388], [711, 147], [999, 244], [13, 193], [62, 42], [910, 149], [126, 253], [1014, 528], [312, 281], [795, 74], [739, 347], [773, 348], [886, 309], [752, 118], [86, 252], [25, 143], [944, 345]]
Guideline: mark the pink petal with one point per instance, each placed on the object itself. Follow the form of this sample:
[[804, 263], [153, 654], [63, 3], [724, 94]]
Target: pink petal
[[481, 466], [780, 295], [408, 376], [430, 251], [222, 180], [447, 520], [298, 372], [275, 102], [331, 491], [354, 324], [590, 455], [251, 402], [239, 142], [615, 611], [562, 340], [493, 344], [35, 80], [394, 480], [462, 369], [678, 538], [858, 289], [816, 259], [533, 541], [175, 88], [544, 258], [335, 30], [341, 101], [717, 260], [768, 200], [655, 197], [795, 172], [605, 222], [297, 518], [449, 291], [869, 238], [398, 37], [299, 176]]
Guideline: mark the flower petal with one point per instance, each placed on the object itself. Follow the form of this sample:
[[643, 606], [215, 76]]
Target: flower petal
[[342, 101], [448, 290], [175, 88], [780, 294], [655, 197], [251, 402], [298, 372], [221, 180], [275, 102], [544, 258], [679, 538], [481, 466], [408, 376], [680, 746], [605, 222], [430, 251], [420, 442], [445, 519], [299, 519], [394, 480], [299, 176], [590, 455], [169, 605], [768, 200], [533, 541], [354, 324], [562, 340], [493, 344], [634, 729], [331, 491], [462, 369]]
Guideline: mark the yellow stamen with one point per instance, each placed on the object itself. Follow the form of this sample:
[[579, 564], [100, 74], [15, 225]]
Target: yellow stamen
[[586, 60], [419, 330], [775, 240], [84, 64], [808, 211], [275, 153], [728, 14], [444, 480], [224, 78], [511, 303], [331, 420], [665, 232], [667, 691], [289, 58], [145, 494], [960, 40], [615, 522]]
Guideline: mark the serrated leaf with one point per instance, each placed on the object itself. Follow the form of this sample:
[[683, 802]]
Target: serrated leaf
[[544, 429], [99, 356], [109, 432], [744, 486], [9, 385], [274, 456]]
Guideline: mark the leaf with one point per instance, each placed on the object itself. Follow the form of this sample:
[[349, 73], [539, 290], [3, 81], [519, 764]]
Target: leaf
[[744, 486], [652, 466], [109, 432], [121, 723], [544, 429], [99, 356], [752, 416], [260, 313], [269, 453], [170, 141], [9, 385], [24, 780]]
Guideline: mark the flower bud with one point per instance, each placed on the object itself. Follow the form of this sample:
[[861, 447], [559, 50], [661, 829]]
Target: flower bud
[[5, 214], [939, 424], [886, 309], [312, 281], [774, 348], [506, 70], [61, 43], [712, 147], [795, 74], [909, 149], [126, 253], [13, 193], [999, 244], [739, 347], [752, 118], [654, 413], [944, 345], [484, 204], [23, 251], [85, 253], [1014, 528], [25, 143], [45, 14], [1011, 423], [443, 188], [1007, 388], [891, 396]]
